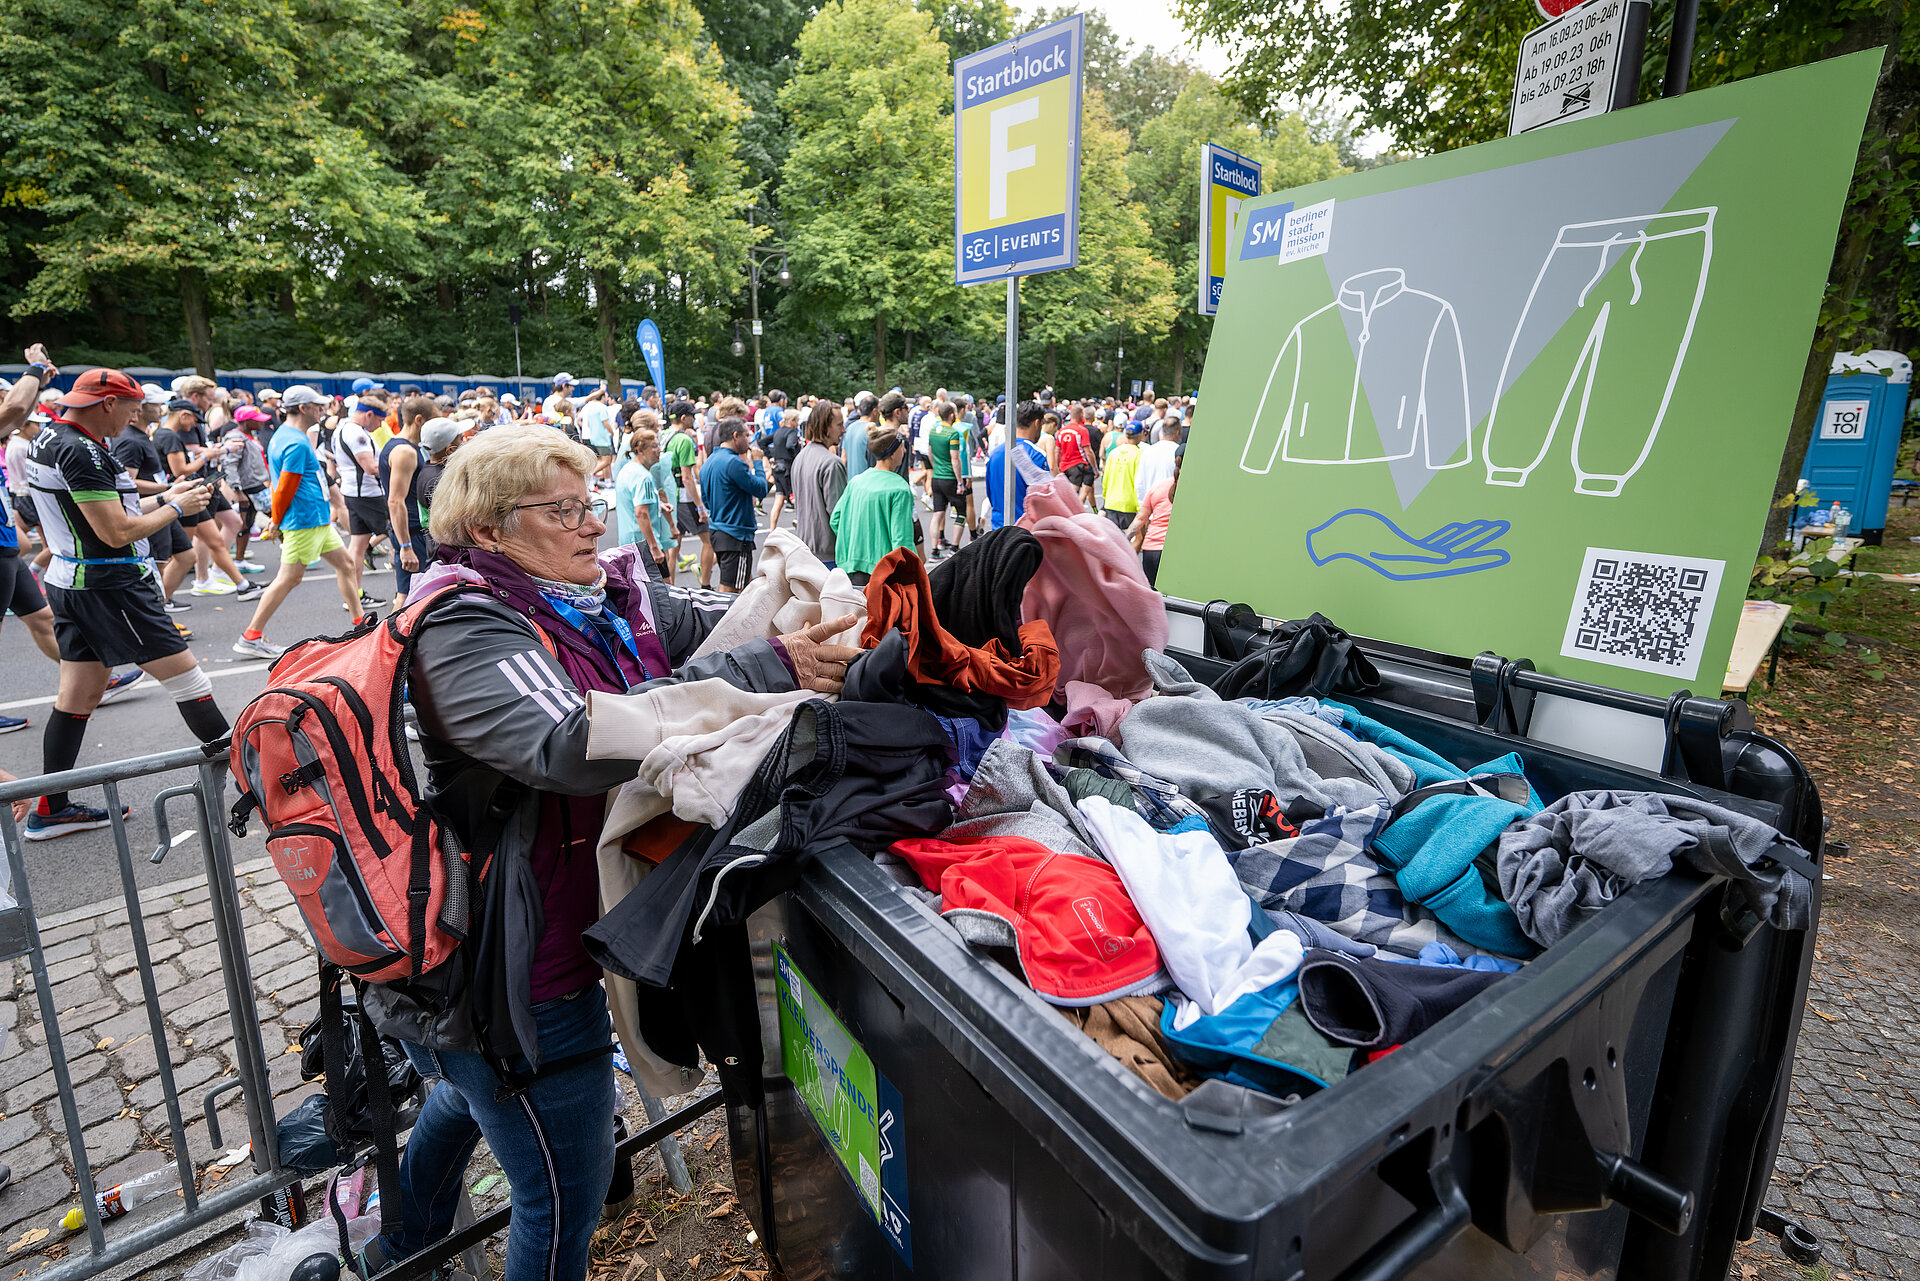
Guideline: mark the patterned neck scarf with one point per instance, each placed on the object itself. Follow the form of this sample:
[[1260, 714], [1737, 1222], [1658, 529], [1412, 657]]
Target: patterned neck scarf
[[589, 599]]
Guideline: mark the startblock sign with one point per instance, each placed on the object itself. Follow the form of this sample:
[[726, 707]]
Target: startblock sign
[[1016, 155], [1226, 179]]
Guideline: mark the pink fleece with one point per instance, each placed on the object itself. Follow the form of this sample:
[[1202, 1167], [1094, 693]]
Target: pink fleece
[[1092, 592]]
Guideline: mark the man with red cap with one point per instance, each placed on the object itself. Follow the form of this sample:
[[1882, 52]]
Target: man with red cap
[[106, 606]]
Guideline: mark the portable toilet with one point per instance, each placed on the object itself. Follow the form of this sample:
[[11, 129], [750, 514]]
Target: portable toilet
[[314, 378], [446, 385], [259, 380], [1856, 440]]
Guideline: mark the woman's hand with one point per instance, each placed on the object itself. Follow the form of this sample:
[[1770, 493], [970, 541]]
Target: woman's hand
[[819, 666]]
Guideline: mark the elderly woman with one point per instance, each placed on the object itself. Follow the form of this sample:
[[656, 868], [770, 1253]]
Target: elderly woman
[[520, 1035]]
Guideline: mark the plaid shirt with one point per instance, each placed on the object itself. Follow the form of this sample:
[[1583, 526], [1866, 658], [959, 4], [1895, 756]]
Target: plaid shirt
[[1325, 873]]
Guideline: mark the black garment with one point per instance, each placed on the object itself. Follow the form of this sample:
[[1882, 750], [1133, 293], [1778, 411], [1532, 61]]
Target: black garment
[[977, 591], [785, 445], [1373, 1004], [19, 592], [1311, 657], [133, 450], [865, 774], [414, 524], [117, 626], [880, 676]]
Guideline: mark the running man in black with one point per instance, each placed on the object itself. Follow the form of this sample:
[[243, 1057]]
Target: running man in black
[[106, 609]]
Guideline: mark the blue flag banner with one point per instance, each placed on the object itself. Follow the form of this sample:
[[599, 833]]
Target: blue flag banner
[[648, 336]]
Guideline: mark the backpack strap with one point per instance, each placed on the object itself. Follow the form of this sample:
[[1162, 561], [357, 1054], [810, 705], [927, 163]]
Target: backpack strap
[[373, 1059]]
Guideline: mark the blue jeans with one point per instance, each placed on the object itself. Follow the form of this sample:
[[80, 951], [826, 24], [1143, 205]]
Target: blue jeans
[[554, 1142]]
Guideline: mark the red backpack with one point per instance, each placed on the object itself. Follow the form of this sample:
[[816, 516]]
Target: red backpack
[[387, 891]]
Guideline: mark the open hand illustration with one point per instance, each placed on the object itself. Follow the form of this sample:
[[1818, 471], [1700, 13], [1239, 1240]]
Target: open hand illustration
[[1382, 546]]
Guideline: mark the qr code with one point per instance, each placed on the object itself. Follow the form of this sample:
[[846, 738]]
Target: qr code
[[1643, 611]]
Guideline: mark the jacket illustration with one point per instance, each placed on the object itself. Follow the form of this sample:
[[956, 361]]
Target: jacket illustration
[[1410, 359]]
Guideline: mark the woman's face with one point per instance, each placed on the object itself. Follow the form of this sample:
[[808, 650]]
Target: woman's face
[[539, 541]]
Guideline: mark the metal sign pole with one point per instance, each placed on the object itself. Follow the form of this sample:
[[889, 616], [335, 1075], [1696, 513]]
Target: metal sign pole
[[1011, 419]]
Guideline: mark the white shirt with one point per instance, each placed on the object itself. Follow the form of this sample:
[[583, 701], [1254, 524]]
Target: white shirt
[[1156, 465], [348, 440], [546, 406], [17, 447]]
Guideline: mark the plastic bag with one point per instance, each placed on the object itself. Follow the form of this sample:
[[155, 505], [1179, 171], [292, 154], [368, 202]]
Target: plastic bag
[[261, 1236], [305, 1146]]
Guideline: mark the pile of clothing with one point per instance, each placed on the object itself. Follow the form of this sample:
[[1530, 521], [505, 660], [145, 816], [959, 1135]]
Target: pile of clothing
[[1268, 891]]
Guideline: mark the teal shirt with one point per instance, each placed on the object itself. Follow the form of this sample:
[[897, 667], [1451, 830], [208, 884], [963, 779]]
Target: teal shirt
[[873, 517], [626, 494]]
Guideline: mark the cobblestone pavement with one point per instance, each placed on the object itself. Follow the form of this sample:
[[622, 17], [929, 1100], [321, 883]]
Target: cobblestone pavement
[[104, 1025], [1849, 1165]]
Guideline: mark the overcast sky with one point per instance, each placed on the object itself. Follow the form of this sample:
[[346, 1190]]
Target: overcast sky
[[1151, 22]]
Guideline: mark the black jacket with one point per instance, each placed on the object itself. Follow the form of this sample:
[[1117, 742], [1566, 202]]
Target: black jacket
[[865, 773]]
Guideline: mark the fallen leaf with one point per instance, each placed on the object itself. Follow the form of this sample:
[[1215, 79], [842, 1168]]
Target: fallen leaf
[[694, 1262], [658, 1275], [103, 1043], [722, 1212], [31, 1237], [715, 1139]]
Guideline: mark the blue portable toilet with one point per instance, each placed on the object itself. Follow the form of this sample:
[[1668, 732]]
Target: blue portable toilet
[[317, 379], [446, 385], [1856, 440]]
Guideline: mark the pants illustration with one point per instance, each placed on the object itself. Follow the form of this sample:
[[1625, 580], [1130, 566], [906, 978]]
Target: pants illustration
[[1634, 288], [1410, 370]]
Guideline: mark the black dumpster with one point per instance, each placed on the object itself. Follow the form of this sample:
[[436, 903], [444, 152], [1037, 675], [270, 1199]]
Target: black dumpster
[[1612, 1110]]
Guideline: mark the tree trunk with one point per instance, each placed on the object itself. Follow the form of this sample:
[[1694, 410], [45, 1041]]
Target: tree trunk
[[908, 339], [113, 319], [609, 350], [443, 294], [1861, 224], [287, 308], [193, 301], [1049, 362], [1179, 363], [879, 353]]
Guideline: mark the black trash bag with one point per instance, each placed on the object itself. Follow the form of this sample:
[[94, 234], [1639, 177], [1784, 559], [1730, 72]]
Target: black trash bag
[[1311, 657], [305, 1146], [355, 1125]]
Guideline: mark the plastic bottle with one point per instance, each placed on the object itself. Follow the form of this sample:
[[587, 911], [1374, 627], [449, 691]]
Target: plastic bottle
[[122, 1197]]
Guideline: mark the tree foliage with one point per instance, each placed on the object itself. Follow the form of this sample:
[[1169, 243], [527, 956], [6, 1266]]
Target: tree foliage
[[868, 185]]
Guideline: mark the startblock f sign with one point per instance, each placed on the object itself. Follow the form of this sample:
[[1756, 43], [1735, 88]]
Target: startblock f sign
[[1016, 155]]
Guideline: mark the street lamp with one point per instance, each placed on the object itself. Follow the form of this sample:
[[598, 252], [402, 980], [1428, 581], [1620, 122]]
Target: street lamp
[[739, 348], [785, 277], [757, 257]]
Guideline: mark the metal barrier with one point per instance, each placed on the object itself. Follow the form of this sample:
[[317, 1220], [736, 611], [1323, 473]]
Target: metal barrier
[[20, 933], [249, 1054]]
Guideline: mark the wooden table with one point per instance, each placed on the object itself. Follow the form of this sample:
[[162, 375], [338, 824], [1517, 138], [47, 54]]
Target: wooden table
[[1761, 622]]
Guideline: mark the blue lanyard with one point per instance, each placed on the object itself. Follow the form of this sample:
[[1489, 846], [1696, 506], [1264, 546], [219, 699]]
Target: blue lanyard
[[584, 625]]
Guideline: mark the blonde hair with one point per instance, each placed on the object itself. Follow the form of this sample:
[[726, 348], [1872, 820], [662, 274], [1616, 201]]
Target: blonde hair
[[494, 472], [641, 438], [194, 384]]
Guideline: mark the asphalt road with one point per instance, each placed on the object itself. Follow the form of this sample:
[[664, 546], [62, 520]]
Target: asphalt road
[[70, 871]]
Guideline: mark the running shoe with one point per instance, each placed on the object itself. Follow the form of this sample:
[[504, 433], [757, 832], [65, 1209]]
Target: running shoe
[[248, 591], [262, 648], [175, 606], [366, 603], [120, 684], [74, 818], [186, 633], [9, 724], [214, 587], [688, 564], [251, 567]]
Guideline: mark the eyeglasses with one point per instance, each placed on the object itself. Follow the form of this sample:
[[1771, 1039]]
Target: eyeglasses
[[572, 511]]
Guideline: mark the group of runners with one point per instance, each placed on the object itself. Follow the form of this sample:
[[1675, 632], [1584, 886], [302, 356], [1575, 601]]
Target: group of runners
[[132, 491]]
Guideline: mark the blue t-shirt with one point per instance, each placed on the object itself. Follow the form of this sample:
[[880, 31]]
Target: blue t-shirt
[[854, 443], [997, 482], [663, 479], [730, 490], [290, 450], [646, 492], [625, 496], [9, 536]]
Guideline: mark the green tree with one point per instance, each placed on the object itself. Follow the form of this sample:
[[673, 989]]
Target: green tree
[[968, 26], [188, 143], [1165, 170], [756, 39], [867, 191], [1119, 285], [596, 141]]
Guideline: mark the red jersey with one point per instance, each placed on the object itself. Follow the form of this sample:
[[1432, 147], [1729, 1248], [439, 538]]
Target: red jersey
[[1076, 447]]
